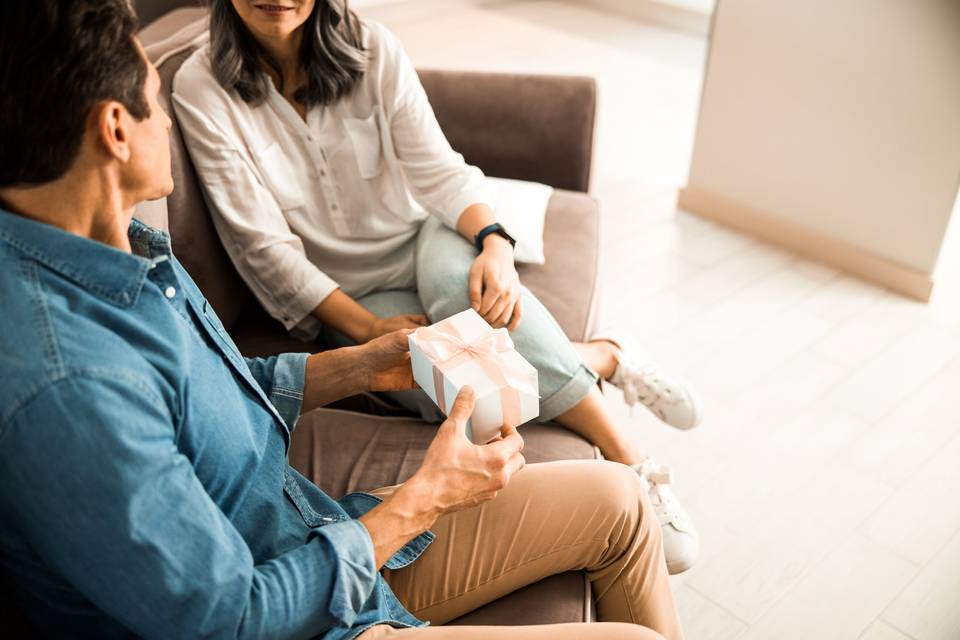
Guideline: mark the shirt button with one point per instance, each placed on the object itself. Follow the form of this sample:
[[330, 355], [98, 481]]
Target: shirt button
[[169, 292], [334, 207]]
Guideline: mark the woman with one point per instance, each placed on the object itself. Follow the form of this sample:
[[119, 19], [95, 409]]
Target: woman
[[346, 211]]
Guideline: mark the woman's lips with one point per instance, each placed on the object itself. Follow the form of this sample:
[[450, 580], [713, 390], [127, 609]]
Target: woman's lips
[[273, 9]]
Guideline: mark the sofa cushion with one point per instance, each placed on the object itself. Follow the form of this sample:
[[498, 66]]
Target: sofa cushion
[[561, 598], [344, 451]]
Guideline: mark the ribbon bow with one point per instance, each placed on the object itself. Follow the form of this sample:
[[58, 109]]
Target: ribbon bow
[[447, 349]]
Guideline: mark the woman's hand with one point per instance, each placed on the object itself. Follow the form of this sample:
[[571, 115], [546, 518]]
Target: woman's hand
[[386, 362], [382, 326], [495, 285]]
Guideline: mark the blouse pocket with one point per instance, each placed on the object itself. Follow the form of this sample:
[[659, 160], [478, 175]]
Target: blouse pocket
[[364, 134], [280, 176]]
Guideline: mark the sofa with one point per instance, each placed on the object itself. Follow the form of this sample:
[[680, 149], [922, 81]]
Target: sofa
[[527, 127]]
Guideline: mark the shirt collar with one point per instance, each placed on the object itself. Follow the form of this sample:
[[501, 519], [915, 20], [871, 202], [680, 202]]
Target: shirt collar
[[107, 272]]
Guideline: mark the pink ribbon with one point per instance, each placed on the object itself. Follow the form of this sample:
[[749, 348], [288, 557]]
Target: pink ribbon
[[447, 349]]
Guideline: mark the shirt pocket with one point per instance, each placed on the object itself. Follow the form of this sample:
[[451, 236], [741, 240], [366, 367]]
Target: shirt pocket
[[280, 176], [364, 135], [310, 516]]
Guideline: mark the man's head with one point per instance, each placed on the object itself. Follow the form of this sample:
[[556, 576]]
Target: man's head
[[77, 93]]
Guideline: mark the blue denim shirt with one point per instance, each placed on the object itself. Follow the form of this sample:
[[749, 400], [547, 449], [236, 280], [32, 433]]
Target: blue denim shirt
[[144, 482]]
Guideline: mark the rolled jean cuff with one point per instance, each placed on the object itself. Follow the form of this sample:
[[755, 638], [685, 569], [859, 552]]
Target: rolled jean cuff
[[569, 395]]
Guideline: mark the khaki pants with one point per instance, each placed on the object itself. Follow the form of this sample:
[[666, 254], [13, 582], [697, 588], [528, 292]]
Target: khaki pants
[[552, 517]]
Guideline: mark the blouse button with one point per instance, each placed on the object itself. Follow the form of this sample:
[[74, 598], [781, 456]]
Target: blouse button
[[169, 292]]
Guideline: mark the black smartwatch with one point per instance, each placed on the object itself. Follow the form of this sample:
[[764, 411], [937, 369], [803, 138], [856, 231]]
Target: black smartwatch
[[496, 228]]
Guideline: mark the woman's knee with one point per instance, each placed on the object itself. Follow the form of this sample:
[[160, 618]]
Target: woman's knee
[[444, 290], [444, 260]]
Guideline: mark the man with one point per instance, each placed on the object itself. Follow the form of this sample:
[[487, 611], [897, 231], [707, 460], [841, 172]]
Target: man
[[143, 460]]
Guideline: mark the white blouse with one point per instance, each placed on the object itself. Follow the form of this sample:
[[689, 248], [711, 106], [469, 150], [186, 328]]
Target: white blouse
[[306, 207]]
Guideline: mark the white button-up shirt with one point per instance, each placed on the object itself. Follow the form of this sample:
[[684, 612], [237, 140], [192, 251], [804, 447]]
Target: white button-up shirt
[[304, 207]]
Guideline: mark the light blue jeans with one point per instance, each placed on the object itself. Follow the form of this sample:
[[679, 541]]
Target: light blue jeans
[[443, 262]]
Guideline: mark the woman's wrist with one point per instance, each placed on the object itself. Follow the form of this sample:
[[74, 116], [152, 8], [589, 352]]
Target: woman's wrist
[[369, 330], [473, 219], [496, 242], [344, 314]]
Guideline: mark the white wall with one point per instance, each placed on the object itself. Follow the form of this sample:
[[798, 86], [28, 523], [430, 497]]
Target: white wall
[[840, 116]]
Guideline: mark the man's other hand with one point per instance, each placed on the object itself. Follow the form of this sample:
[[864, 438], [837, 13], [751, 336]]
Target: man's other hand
[[386, 362]]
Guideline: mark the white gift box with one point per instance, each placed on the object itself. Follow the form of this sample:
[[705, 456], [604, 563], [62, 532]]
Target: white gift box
[[465, 350]]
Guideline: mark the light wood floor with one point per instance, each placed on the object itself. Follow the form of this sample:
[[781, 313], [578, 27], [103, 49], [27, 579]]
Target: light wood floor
[[825, 480]]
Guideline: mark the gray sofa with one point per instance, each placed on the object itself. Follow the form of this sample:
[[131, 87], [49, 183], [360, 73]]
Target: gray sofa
[[515, 126]]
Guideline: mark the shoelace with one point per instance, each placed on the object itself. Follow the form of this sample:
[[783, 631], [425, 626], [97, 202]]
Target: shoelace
[[655, 476], [639, 384], [655, 472]]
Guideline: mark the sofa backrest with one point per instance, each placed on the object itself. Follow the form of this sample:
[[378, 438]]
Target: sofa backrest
[[150, 10], [194, 238]]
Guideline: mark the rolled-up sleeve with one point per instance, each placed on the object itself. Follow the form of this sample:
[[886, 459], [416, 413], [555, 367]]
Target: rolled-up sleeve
[[441, 180], [119, 513], [269, 256], [282, 378]]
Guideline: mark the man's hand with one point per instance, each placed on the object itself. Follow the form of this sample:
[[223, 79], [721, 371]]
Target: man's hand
[[382, 326], [495, 285], [383, 364], [455, 474], [386, 362]]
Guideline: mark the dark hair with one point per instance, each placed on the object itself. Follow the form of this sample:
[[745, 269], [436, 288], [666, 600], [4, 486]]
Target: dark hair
[[58, 58], [331, 54]]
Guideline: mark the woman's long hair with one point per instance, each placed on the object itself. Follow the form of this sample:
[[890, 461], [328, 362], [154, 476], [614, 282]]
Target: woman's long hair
[[331, 54]]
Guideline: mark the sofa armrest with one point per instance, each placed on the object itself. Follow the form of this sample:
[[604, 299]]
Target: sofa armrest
[[526, 127]]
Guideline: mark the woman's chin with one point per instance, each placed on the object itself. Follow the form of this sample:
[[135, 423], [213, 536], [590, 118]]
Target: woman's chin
[[276, 30]]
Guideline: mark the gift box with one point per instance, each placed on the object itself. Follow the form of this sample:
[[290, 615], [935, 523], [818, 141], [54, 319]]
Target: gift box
[[465, 350]]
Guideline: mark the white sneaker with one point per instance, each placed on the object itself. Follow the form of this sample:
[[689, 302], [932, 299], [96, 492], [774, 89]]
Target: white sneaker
[[641, 380], [681, 543]]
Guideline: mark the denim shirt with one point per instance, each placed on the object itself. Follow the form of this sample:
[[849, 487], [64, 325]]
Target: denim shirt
[[144, 482]]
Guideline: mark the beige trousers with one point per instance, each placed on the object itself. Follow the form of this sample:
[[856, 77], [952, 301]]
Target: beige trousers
[[553, 517]]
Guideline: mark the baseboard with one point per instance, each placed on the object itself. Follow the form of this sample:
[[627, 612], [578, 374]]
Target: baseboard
[[681, 15], [809, 243]]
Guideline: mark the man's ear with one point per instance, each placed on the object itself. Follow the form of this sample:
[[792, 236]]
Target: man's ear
[[111, 122]]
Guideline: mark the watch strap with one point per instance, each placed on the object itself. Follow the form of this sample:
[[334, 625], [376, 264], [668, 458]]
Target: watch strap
[[496, 228]]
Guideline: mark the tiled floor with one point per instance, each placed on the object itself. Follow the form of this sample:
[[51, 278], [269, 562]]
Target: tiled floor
[[825, 479]]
